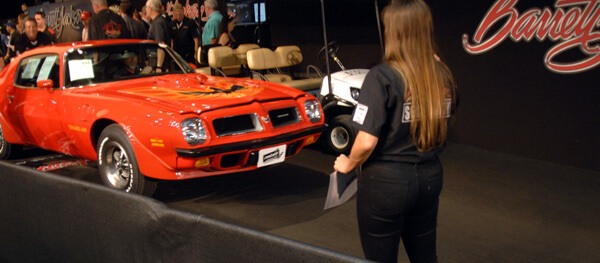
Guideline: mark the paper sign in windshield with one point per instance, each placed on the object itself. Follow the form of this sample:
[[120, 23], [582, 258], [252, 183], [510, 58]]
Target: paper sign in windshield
[[81, 69]]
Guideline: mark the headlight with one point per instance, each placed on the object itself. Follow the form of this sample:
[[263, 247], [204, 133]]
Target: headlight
[[311, 107], [354, 92], [193, 131]]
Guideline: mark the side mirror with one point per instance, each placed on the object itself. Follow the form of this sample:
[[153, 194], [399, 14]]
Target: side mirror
[[45, 84]]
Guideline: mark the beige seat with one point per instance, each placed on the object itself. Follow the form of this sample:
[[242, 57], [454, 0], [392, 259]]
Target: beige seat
[[242, 49], [289, 56], [203, 70], [224, 59], [266, 61]]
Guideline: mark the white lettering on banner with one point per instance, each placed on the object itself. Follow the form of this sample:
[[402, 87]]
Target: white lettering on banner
[[189, 11], [573, 24], [57, 19]]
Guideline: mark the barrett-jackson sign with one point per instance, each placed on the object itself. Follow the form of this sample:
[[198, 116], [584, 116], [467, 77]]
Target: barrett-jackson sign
[[64, 18], [572, 24]]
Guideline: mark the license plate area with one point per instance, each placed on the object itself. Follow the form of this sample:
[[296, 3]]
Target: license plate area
[[272, 155]]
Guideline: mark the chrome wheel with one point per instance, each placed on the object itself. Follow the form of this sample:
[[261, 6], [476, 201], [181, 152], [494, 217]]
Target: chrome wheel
[[117, 163], [119, 168]]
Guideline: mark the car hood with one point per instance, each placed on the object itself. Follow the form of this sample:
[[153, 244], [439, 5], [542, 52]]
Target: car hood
[[186, 93]]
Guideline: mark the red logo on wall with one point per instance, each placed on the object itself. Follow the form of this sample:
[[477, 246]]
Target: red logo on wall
[[573, 24]]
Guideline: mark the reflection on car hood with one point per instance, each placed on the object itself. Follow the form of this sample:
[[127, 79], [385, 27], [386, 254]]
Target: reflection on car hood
[[198, 93]]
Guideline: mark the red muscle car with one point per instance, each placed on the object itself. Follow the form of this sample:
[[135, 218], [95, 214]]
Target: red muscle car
[[105, 101]]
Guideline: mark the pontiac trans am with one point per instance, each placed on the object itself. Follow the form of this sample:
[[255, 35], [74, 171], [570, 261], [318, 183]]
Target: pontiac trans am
[[105, 101]]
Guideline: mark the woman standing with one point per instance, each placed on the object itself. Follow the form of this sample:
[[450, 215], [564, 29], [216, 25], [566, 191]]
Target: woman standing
[[402, 117]]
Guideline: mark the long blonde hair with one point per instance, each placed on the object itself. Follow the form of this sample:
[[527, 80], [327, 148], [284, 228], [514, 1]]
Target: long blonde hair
[[410, 49]]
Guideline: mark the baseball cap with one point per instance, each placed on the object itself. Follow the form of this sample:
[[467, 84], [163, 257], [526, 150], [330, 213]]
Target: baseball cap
[[85, 15]]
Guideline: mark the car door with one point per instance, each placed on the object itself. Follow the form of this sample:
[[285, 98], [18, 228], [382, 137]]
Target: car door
[[34, 111]]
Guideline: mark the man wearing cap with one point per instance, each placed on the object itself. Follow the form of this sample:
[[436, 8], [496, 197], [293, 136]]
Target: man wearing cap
[[128, 65], [106, 24], [13, 35], [85, 19]]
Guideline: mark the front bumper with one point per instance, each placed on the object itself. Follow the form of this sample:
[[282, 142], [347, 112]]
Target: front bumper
[[253, 144]]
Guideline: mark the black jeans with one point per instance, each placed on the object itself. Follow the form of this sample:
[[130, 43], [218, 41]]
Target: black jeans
[[399, 200]]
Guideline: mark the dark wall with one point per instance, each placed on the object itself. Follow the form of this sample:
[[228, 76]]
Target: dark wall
[[50, 218], [510, 101]]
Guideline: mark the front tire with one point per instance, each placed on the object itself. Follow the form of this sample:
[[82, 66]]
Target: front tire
[[117, 164], [7, 149], [340, 135]]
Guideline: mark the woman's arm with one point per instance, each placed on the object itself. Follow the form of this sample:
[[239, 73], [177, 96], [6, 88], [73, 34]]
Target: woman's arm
[[361, 150]]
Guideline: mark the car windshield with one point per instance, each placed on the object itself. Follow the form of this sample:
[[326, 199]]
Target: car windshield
[[100, 64]]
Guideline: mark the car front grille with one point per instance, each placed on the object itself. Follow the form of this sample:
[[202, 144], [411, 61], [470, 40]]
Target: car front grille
[[285, 116], [239, 124]]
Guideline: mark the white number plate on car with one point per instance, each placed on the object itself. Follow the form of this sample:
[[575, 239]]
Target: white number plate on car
[[271, 155]]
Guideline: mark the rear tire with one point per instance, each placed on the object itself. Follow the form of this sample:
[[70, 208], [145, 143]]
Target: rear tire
[[7, 149], [118, 165], [340, 135]]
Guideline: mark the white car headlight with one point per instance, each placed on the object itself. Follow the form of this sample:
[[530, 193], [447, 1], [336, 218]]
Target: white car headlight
[[193, 131], [311, 107], [354, 92]]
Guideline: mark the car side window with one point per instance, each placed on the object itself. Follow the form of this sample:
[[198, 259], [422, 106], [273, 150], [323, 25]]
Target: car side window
[[36, 68]]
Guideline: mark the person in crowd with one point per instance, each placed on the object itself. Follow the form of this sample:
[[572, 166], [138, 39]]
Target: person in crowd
[[401, 118], [106, 24], [137, 16], [3, 48], [227, 26], [21, 23], [25, 9], [32, 37], [85, 20], [184, 34], [136, 28], [40, 18], [13, 36], [159, 30], [145, 18], [210, 33]]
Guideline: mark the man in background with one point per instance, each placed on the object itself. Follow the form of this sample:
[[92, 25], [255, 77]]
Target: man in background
[[40, 19], [13, 35], [32, 37], [210, 34], [184, 33], [159, 30], [136, 28], [106, 24], [85, 19]]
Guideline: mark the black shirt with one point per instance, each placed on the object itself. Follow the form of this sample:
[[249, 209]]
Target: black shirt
[[136, 28], [183, 34], [380, 112], [159, 31], [23, 43], [108, 25]]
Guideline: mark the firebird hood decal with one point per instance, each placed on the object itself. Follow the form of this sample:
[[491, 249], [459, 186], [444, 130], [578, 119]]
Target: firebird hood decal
[[165, 93]]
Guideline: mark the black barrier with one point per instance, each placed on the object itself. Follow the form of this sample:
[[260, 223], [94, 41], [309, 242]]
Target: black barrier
[[49, 218]]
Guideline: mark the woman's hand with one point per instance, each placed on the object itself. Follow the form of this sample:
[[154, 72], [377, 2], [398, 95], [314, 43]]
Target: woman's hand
[[363, 147], [342, 164]]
